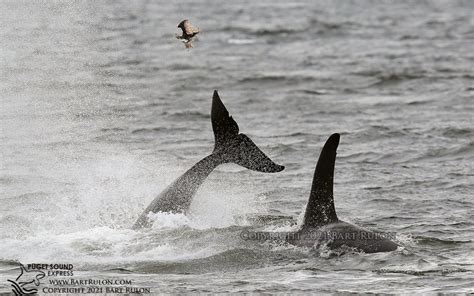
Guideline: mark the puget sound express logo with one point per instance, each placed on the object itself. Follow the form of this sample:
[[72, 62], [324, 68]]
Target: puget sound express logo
[[27, 282], [60, 279]]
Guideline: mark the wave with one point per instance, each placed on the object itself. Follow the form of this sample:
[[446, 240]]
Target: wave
[[363, 157], [149, 130], [314, 26], [171, 130], [234, 259], [383, 78], [267, 220], [263, 32], [443, 270], [10, 262], [181, 66], [417, 103], [112, 129], [376, 132], [459, 151], [315, 92], [188, 114], [288, 135], [241, 41], [389, 78], [380, 132], [265, 78], [327, 26], [395, 78], [455, 132], [438, 241]]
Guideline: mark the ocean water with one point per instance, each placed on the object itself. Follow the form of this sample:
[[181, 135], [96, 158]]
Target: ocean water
[[102, 108]]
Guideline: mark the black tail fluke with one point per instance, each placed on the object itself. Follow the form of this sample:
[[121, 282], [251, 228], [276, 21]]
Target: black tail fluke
[[223, 125], [235, 147], [320, 209]]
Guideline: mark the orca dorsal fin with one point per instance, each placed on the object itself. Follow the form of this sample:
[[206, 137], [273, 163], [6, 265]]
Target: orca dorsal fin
[[320, 209]]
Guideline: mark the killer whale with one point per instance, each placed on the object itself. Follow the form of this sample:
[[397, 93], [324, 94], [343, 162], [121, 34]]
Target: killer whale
[[229, 147], [321, 224]]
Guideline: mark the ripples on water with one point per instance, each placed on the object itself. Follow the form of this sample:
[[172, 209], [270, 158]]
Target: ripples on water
[[102, 108]]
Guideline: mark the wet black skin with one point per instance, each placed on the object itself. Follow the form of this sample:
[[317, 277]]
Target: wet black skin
[[230, 147], [321, 224]]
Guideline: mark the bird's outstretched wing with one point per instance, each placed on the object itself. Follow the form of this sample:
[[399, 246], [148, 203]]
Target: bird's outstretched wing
[[189, 29]]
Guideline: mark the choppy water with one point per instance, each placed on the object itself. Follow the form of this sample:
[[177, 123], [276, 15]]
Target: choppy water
[[101, 108]]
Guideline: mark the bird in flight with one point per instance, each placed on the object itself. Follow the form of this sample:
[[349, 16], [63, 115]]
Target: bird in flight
[[189, 32]]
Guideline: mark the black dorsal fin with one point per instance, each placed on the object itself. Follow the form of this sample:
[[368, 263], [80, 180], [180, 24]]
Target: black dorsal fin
[[320, 209]]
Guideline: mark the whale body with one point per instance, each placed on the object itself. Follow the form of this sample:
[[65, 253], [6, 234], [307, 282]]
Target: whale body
[[321, 224], [230, 147]]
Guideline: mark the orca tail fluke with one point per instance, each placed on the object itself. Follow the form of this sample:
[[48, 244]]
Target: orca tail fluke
[[234, 147], [320, 209]]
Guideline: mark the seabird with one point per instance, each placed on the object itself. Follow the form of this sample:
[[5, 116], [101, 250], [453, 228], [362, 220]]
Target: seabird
[[189, 32]]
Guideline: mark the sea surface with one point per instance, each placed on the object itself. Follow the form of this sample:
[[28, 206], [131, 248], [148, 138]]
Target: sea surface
[[102, 108]]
